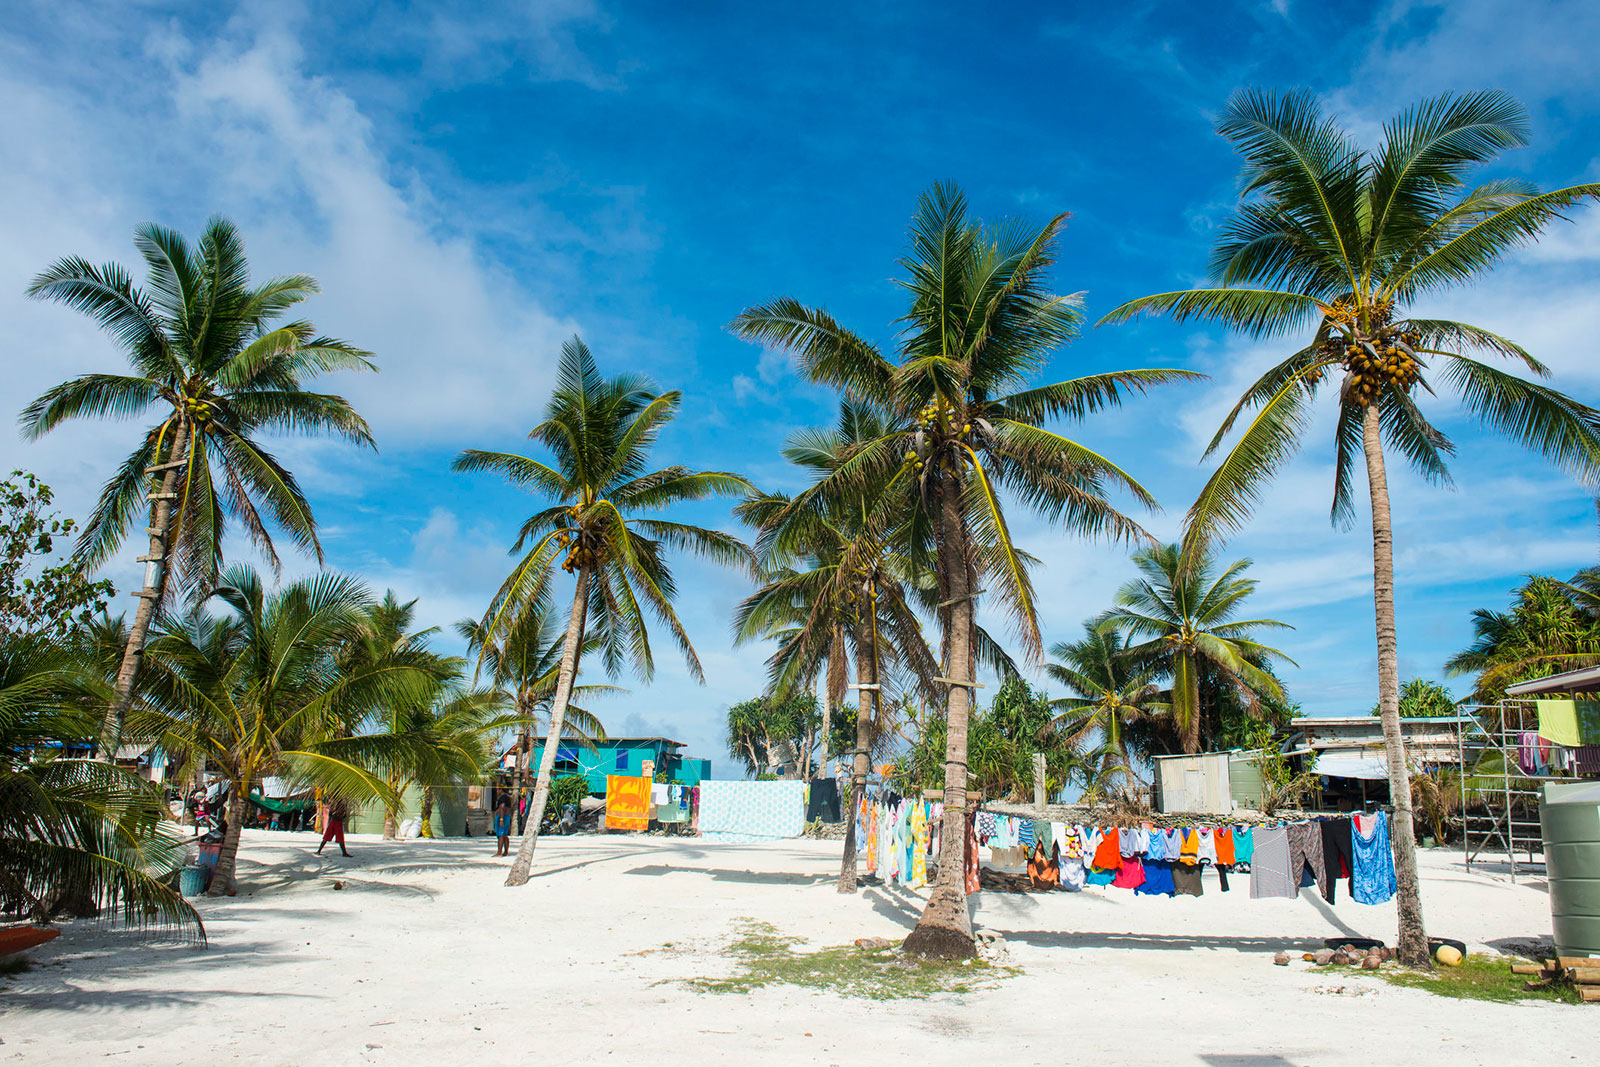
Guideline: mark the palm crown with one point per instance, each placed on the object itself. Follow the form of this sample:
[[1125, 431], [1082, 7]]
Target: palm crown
[[1187, 609], [599, 432], [1347, 240], [208, 351]]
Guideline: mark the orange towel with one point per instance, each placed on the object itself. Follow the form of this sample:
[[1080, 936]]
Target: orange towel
[[627, 802]]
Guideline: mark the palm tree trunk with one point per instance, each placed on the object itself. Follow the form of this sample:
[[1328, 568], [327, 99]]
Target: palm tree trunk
[[866, 675], [223, 883], [427, 811], [1413, 946], [155, 584], [558, 713], [1189, 678], [945, 928]]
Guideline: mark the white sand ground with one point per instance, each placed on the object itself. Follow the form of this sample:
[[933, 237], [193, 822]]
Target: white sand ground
[[425, 958]]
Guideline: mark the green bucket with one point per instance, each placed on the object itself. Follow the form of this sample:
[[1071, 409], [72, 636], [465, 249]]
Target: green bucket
[[192, 880]]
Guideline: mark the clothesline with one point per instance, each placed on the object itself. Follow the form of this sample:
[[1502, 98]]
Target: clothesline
[[899, 835]]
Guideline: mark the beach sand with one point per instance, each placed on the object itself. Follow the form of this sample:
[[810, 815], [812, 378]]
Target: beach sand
[[424, 957]]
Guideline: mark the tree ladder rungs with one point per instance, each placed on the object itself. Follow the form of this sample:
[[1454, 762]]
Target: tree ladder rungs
[[162, 496], [159, 467]]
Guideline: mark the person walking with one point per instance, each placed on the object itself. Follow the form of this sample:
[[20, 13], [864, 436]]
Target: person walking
[[334, 828], [502, 825]]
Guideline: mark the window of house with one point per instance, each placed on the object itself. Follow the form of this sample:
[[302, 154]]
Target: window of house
[[622, 760]]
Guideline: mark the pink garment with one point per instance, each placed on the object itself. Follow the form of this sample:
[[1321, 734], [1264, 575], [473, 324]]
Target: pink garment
[[1130, 874]]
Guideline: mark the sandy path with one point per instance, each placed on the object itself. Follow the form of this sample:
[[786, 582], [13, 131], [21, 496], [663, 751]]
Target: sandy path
[[426, 958]]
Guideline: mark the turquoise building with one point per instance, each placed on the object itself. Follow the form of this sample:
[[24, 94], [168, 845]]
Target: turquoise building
[[624, 755]]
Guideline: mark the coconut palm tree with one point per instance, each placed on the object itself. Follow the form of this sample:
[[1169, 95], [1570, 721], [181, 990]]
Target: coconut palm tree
[[1188, 610], [835, 588], [211, 358], [965, 427], [1551, 627], [1348, 243], [76, 835], [271, 690], [1110, 690], [599, 432]]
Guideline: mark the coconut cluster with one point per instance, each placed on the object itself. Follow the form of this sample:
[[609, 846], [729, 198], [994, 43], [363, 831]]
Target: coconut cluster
[[933, 415], [1375, 354], [200, 413]]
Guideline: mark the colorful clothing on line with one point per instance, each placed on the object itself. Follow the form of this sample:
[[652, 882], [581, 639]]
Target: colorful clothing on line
[[1157, 879], [1305, 856], [1269, 865], [1372, 870]]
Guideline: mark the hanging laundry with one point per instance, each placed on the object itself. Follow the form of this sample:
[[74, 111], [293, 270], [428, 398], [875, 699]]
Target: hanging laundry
[[1186, 880], [1223, 836], [1269, 865], [919, 846], [1244, 846], [1372, 878], [1108, 854], [823, 802], [1044, 870], [1131, 874], [627, 802], [973, 869], [742, 812], [1305, 856], [1337, 859], [1157, 878]]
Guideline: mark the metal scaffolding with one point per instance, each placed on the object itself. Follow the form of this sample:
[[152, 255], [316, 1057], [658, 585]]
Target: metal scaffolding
[[1499, 797]]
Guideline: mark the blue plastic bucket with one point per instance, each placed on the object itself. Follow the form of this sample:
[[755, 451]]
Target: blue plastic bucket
[[192, 880]]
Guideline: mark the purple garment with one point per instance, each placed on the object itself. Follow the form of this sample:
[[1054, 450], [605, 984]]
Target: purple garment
[[1528, 752]]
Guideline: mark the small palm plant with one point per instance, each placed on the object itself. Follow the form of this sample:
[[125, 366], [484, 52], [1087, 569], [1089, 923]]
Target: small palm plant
[[270, 689], [209, 352], [1110, 690], [1347, 243], [1187, 610], [77, 836], [599, 525]]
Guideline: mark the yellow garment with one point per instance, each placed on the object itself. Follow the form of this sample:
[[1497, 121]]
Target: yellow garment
[[919, 845], [1189, 855], [1570, 723], [872, 838], [627, 802]]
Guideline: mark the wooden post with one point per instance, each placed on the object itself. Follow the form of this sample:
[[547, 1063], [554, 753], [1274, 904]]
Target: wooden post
[[1038, 783]]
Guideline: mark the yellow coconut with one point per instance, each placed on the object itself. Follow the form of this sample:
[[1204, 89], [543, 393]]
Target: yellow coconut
[[1448, 955]]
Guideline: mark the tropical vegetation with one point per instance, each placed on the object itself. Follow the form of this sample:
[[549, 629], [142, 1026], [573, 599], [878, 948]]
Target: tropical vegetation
[[209, 354], [600, 522], [1346, 244], [965, 426]]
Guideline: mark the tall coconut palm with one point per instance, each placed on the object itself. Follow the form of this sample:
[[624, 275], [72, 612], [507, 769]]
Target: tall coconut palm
[[1188, 610], [76, 835], [210, 356], [1346, 243], [269, 690], [599, 432], [834, 587], [981, 323], [1110, 688]]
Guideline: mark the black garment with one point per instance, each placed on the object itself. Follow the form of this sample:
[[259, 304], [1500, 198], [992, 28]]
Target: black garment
[[1336, 848], [824, 801], [1186, 880], [1222, 873]]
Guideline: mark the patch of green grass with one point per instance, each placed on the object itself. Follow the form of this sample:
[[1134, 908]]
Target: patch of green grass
[[1479, 978], [764, 958], [10, 965]]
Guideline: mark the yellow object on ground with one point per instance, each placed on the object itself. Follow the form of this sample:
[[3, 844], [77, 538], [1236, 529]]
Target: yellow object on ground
[[1448, 955], [627, 802]]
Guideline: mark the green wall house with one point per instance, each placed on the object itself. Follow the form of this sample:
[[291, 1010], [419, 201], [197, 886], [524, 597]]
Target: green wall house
[[623, 755], [450, 804]]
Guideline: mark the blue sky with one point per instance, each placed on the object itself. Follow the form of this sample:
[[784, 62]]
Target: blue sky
[[473, 187]]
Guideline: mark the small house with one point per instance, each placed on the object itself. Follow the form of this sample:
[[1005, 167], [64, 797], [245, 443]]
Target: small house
[[655, 756]]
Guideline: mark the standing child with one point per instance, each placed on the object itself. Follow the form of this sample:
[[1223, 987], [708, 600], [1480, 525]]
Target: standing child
[[334, 830], [502, 825]]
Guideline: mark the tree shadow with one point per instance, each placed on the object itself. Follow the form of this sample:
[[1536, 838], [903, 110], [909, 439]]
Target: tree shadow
[[1243, 1059], [69, 998], [725, 874], [1153, 942]]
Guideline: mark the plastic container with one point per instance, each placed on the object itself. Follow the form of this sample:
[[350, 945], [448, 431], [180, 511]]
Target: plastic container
[[1570, 816], [192, 880]]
